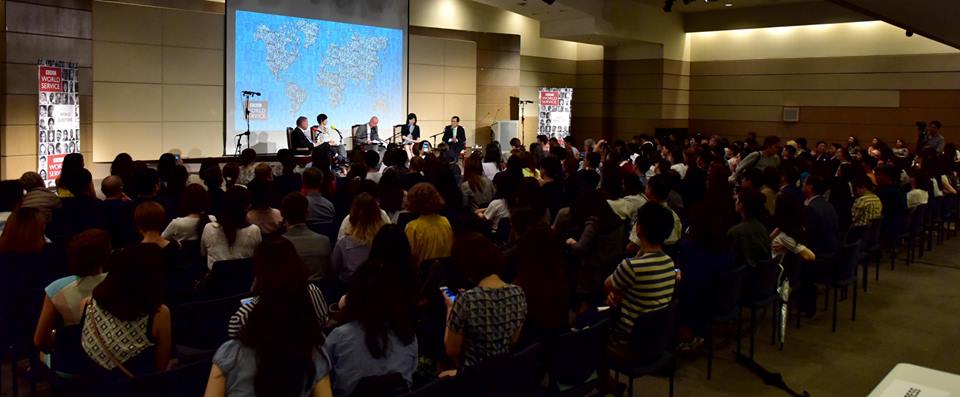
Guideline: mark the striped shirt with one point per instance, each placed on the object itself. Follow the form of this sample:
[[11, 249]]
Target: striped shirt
[[645, 284], [866, 208], [239, 319]]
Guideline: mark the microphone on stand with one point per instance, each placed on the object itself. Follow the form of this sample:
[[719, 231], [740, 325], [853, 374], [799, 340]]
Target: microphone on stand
[[250, 93]]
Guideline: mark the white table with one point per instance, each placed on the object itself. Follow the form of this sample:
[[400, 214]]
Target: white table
[[930, 382]]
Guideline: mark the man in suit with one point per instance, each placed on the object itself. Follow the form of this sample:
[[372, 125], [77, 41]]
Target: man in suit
[[410, 131], [300, 141], [823, 238], [455, 136], [367, 134]]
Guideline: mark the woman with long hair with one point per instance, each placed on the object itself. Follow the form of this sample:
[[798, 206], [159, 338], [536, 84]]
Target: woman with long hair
[[194, 215], [597, 241], [492, 160], [126, 326], [379, 335], [261, 213], [352, 250], [230, 237], [390, 193], [279, 350], [539, 263], [477, 189]]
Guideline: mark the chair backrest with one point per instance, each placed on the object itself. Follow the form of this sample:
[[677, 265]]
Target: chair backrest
[[653, 333], [203, 324], [445, 387], [68, 355], [872, 239], [289, 139], [761, 282], [574, 356], [726, 291], [508, 374], [917, 218], [390, 384], [396, 132], [846, 262], [188, 380], [231, 277]]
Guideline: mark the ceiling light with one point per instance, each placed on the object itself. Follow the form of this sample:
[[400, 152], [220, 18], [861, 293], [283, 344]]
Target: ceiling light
[[728, 5]]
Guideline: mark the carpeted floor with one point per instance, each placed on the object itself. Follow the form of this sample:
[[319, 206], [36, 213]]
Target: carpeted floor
[[910, 315]]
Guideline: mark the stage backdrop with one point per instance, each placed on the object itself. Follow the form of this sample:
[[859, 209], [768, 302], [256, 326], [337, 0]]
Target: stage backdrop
[[344, 59], [554, 117], [59, 117]]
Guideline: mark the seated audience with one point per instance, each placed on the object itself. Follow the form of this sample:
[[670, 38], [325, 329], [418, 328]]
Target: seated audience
[[38, 196], [11, 196], [313, 249], [117, 213], [267, 218], [644, 283], [194, 216], [80, 211], [87, 256], [378, 337], [126, 326], [918, 194], [430, 235], [352, 250], [486, 320], [230, 237], [597, 243], [540, 272], [867, 207], [321, 213], [279, 349], [477, 189], [788, 231], [275, 264]]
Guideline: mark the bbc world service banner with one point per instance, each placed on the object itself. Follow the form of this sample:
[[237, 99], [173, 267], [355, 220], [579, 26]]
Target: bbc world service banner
[[554, 118], [58, 123]]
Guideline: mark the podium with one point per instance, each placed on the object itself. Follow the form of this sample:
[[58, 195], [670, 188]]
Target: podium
[[504, 131]]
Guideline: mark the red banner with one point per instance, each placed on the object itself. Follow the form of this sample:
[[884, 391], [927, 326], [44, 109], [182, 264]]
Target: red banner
[[549, 98], [50, 79]]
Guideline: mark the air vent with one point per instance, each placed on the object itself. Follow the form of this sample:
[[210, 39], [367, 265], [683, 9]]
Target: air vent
[[791, 114]]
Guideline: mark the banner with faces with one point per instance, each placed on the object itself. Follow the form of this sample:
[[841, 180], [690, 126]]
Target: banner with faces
[[555, 111], [58, 124]]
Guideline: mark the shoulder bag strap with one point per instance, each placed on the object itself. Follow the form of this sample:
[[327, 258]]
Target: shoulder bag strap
[[103, 346]]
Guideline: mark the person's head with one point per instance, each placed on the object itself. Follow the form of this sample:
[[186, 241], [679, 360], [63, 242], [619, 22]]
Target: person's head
[[592, 160], [194, 201], [771, 145], [751, 204], [786, 215], [412, 118], [282, 329], [302, 123], [247, 157], [455, 121], [72, 161], [771, 178], [134, 284], [658, 188], [516, 143], [933, 127], [476, 256], [233, 212], [821, 147], [294, 208], [365, 218], [374, 121], [751, 178], [150, 217], [263, 172], [654, 224], [147, 182], [861, 184], [212, 177], [78, 182], [899, 143], [261, 194], [552, 168], [112, 187], [801, 142], [424, 199], [24, 232], [372, 159], [312, 180], [31, 180], [321, 119], [383, 292], [88, 252]]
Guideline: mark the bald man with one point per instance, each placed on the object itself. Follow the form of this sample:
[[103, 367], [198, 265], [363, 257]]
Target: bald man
[[112, 187], [367, 134]]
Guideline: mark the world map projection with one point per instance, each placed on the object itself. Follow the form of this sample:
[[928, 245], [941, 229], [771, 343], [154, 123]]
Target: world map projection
[[309, 66]]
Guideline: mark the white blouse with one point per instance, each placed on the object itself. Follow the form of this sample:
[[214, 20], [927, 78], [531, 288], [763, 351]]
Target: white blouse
[[214, 245]]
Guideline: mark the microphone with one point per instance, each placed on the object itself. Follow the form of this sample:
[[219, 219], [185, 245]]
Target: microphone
[[250, 93], [244, 133], [526, 101]]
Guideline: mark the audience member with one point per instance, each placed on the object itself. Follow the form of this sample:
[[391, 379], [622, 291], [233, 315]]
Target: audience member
[[750, 239], [477, 189], [321, 213], [430, 235], [194, 216], [354, 247], [267, 218], [230, 237], [38, 196], [486, 320], [314, 249]]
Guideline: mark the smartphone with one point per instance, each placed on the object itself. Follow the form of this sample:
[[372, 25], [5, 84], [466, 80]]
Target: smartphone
[[246, 301], [446, 291], [601, 309], [425, 147]]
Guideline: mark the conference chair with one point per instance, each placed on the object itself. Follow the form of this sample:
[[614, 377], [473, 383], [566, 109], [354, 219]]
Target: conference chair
[[651, 348], [396, 134], [69, 364], [574, 359], [759, 292], [844, 275], [445, 387], [915, 233], [724, 308], [870, 250], [289, 139], [187, 380], [899, 236], [24, 310], [227, 278], [517, 374], [390, 384], [199, 327]]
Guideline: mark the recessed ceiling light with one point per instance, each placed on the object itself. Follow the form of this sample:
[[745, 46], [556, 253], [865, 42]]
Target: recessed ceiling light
[[728, 5]]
